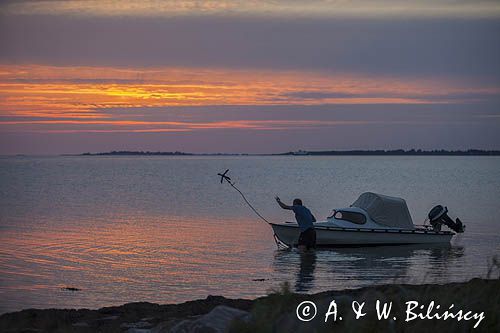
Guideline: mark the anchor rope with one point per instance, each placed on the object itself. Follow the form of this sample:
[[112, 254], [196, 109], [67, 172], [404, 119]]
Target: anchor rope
[[248, 203], [279, 243]]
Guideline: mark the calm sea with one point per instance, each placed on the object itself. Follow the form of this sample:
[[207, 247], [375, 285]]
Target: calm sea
[[163, 229]]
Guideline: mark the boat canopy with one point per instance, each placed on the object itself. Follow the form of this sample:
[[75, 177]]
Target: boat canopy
[[385, 210]]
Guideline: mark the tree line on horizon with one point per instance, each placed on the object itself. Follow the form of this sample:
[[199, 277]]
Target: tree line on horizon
[[394, 152]]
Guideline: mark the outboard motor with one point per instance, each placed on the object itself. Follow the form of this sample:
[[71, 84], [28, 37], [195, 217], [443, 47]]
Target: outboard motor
[[438, 216]]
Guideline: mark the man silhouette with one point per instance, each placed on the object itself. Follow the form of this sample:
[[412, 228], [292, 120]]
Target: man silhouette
[[305, 220]]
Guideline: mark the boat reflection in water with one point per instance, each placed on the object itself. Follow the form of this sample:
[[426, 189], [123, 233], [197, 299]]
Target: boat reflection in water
[[339, 268]]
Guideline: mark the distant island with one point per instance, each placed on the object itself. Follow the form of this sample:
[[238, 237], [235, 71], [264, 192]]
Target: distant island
[[157, 153], [141, 153], [395, 152]]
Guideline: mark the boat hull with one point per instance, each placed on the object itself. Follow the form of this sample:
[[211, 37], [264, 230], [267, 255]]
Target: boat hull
[[333, 236]]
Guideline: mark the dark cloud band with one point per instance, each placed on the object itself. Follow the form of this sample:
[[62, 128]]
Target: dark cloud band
[[416, 47]]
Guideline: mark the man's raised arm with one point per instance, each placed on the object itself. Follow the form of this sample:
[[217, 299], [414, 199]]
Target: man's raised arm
[[282, 205]]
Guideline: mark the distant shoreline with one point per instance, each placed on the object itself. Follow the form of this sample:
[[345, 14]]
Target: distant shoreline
[[396, 152]]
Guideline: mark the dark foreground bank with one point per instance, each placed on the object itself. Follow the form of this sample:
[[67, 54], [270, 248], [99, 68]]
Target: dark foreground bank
[[479, 298]]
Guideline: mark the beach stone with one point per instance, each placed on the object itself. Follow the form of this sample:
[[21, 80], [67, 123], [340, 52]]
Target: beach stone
[[139, 330], [139, 324], [109, 318], [216, 321], [81, 324]]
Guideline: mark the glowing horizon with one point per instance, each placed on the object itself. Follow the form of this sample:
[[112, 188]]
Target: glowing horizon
[[317, 8], [259, 76], [58, 96]]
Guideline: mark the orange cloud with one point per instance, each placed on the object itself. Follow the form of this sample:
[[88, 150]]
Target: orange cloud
[[162, 8], [35, 95]]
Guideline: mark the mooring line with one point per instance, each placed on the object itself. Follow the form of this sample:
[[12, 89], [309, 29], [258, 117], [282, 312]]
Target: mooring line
[[225, 177]]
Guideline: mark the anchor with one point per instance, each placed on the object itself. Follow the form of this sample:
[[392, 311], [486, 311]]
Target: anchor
[[224, 177]]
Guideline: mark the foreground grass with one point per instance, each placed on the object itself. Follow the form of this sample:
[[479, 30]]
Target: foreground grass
[[276, 313]]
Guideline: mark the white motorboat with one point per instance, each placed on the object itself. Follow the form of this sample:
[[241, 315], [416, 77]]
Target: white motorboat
[[374, 219]]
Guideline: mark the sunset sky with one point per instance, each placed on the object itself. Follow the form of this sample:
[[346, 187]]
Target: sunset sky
[[248, 76]]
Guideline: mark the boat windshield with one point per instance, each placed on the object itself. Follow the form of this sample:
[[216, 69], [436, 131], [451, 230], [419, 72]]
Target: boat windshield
[[353, 217]]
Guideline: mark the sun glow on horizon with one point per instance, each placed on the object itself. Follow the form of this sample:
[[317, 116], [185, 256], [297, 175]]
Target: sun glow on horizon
[[317, 8], [47, 98]]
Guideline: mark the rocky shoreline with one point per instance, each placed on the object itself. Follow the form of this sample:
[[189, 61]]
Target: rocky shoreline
[[276, 312]]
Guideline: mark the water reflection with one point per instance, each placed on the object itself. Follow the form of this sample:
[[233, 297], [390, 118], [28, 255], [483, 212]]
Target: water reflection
[[305, 275], [353, 267], [164, 230]]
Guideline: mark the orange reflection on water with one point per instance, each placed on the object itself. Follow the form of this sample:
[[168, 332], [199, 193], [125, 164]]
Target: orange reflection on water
[[147, 253]]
